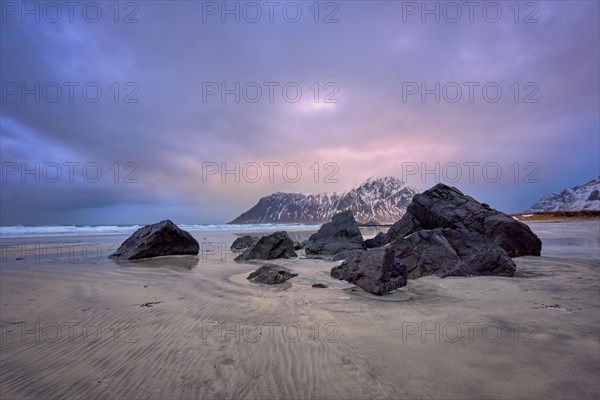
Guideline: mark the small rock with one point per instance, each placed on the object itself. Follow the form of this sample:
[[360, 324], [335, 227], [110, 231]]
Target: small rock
[[271, 274], [320, 286]]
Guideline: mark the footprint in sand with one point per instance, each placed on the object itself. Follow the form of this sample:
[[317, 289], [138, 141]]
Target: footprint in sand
[[220, 363], [347, 364], [226, 361]]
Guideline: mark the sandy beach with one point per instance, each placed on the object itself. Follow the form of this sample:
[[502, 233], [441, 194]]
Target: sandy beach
[[188, 327]]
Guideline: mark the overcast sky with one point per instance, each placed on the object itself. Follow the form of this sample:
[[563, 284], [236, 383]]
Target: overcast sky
[[159, 128]]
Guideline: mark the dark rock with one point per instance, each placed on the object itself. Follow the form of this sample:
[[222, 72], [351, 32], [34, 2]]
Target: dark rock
[[298, 246], [447, 207], [277, 245], [452, 252], [342, 255], [271, 274], [243, 242], [160, 239], [320, 286], [342, 233], [377, 241], [378, 271]]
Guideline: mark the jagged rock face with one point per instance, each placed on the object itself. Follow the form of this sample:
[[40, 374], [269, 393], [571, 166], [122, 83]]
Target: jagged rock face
[[276, 245], [161, 239], [243, 242], [271, 274], [378, 271], [452, 252], [383, 200], [342, 233], [447, 207], [583, 197]]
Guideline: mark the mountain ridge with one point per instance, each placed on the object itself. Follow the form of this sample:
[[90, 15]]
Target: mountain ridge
[[577, 198], [382, 200]]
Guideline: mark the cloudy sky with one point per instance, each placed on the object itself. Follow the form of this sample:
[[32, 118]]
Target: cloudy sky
[[130, 114]]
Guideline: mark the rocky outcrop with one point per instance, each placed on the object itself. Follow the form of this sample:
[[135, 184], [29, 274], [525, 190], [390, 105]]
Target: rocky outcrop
[[378, 271], [452, 252], [277, 245], [447, 207], [342, 233], [243, 242], [271, 274], [443, 233], [160, 239]]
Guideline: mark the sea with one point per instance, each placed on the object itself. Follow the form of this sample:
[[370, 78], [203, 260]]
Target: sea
[[23, 231]]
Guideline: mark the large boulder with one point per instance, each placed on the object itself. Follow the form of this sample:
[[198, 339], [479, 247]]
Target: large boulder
[[342, 233], [160, 239], [452, 252], [447, 207], [243, 242], [277, 245], [271, 274], [378, 271]]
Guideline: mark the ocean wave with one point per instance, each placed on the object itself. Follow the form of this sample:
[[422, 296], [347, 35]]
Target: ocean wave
[[78, 230]]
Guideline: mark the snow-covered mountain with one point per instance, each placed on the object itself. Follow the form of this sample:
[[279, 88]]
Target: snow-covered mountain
[[381, 200], [583, 197]]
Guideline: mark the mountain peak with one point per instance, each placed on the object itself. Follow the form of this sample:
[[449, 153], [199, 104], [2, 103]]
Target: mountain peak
[[377, 199], [384, 180]]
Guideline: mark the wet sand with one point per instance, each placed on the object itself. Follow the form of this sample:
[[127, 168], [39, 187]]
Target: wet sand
[[194, 327]]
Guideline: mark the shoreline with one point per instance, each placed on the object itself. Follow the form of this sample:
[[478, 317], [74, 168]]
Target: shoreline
[[557, 215]]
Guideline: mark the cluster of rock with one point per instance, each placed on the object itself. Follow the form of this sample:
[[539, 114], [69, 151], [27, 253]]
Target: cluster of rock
[[443, 233], [270, 247], [165, 239]]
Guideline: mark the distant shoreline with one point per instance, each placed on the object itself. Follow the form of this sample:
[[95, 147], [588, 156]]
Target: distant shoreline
[[549, 215]]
